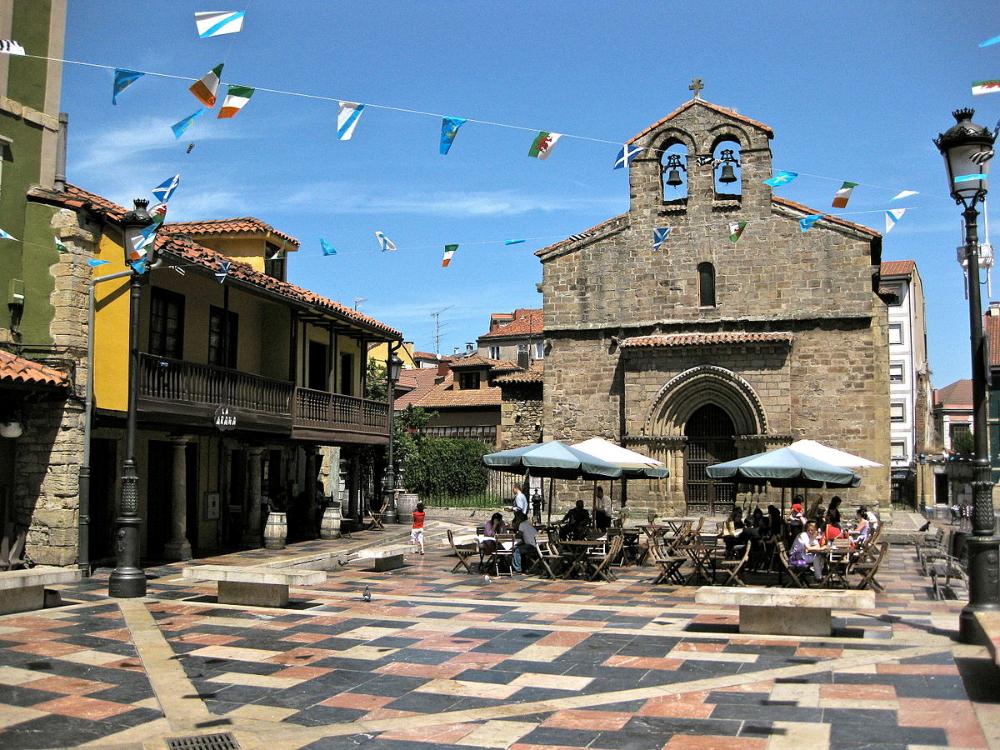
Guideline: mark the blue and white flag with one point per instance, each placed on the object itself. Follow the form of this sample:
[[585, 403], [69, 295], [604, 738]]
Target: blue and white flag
[[903, 194], [990, 42], [216, 23], [95, 262], [513, 242], [138, 266], [781, 178], [5, 236], [328, 249], [142, 241], [387, 245], [806, 224], [892, 216], [180, 127], [449, 129], [626, 155], [223, 271], [347, 119], [660, 235], [165, 189], [123, 79]]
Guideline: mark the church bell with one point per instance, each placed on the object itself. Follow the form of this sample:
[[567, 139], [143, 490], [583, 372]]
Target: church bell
[[674, 178], [728, 174]]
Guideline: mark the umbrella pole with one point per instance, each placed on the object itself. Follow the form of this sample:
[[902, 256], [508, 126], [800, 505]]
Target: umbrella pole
[[593, 506], [550, 501]]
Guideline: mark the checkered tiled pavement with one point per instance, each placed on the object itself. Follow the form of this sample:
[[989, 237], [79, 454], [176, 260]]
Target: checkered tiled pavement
[[438, 660]]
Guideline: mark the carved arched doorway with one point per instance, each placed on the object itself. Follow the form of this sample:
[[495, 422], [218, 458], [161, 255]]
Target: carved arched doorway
[[711, 439]]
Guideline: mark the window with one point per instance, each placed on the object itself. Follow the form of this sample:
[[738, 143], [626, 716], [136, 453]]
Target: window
[[958, 428], [274, 262], [706, 285], [166, 324], [540, 350], [897, 296], [347, 374], [895, 333], [468, 381], [222, 341], [898, 451], [895, 372], [897, 411], [494, 352]]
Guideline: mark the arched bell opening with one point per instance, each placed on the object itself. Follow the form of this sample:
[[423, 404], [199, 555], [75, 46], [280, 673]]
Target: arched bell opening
[[728, 173]]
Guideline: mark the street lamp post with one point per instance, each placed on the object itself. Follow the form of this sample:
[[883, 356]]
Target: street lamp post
[[967, 149], [393, 370], [128, 580]]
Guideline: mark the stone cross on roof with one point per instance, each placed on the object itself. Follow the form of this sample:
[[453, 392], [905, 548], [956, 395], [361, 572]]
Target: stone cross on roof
[[696, 86]]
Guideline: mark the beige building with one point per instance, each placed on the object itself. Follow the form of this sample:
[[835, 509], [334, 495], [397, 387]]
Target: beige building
[[705, 349], [515, 336]]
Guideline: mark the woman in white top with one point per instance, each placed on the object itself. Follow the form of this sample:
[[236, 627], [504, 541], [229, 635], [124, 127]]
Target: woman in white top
[[804, 550]]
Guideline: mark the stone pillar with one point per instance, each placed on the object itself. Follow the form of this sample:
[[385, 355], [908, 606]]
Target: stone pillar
[[179, 548], [252, 532]]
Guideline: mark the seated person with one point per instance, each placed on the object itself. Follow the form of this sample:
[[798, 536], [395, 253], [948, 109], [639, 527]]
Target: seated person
[[526, 546], [734, 533], [862, 527], [602, 519], [804, 550], [796, 520], [575, 522], [494, 526]]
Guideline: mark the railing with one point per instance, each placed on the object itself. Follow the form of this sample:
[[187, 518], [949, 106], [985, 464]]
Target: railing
[[165, 379], [334, 411]]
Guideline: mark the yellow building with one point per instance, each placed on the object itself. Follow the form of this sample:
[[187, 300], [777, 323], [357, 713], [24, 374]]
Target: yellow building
[[245, 383], [380, 353]]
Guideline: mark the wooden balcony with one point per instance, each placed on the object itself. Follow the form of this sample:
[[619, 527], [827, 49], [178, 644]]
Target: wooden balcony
[[320, 415]]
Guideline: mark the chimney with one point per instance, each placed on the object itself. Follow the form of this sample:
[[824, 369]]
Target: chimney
[[469, 348], [59, 182], [994, 309]]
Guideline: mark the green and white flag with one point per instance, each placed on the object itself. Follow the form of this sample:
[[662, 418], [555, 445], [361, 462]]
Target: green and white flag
[[543, 144], [236, 99], [736, 229], [60, 247]]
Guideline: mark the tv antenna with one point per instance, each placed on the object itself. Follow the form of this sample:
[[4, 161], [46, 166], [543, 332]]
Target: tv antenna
[[437, 329], [358, 301]]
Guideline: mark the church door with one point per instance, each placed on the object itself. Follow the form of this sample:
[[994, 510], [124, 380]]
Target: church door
[[710, 440]]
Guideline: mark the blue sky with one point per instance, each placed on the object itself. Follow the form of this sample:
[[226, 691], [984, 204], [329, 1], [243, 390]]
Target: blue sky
[[853, 91]]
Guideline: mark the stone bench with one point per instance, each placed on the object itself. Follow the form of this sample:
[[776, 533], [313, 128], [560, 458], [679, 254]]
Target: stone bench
[[775, 611], [387, 561], [24, 590], [989, 624], [257, 587]]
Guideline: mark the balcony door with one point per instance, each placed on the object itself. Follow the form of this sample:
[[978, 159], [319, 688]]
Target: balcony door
[[318, 366]]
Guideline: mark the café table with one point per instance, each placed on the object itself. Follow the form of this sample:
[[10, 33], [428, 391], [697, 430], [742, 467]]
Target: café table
[[576, 553]]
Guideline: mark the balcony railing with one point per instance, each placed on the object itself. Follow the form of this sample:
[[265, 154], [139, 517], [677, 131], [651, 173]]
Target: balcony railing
[[334, 411], [165, 379]]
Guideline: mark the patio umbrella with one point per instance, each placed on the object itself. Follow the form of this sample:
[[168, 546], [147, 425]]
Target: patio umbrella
[[634, 465], [785, 467], [832, 455]]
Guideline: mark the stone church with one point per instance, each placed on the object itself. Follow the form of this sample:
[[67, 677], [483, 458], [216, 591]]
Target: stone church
[[707, 349]]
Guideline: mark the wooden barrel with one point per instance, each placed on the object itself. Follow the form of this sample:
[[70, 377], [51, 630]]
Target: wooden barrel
[[329, 527], [275, 530], [406, 503]]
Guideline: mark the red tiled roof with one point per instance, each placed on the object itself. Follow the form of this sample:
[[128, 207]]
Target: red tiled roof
[[428, 355], [422, 381], [721, 110], [526, 322], [188, 250], [707, 339], [956, 394], [991, 327], [14, 369], [535, 374], [244, 225], [448, 395], [477, 360], [897, 268]]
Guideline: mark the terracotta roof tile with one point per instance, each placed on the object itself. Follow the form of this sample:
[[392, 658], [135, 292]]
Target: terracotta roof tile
[[423, 381], [991, 327], [721, 110], [707, 339], [526, 322], [477, 360], [532, 375], [14, 369], [448, 395], [244, 225], [897, 268], [954, 395]]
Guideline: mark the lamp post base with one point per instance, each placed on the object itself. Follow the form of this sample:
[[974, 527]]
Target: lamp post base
[[127, 583], [127, 580], [984, 585]]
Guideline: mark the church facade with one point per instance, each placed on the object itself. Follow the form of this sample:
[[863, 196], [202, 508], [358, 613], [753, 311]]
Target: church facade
[[712, 347]]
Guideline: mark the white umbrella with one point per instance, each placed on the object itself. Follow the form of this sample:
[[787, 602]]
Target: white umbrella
[[628, 460], [832, 455]]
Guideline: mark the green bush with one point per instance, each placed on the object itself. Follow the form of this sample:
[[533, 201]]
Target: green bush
[[446, 467]]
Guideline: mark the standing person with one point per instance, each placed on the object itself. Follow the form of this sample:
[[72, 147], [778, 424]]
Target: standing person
[[520, 501], [526, 544], [417, 532]]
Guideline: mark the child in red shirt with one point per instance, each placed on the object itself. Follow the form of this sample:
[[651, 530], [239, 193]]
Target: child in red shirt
[[417, 532]]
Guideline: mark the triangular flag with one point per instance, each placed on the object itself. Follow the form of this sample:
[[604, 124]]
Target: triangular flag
[[327, 248], [215, 23], [207, 87], [347, 119], [95, 262], [449, 129], [165, 189], [236, 99], [806, 223], [892, 216], [626, 155], [10, 47], [781, 178], [449, 251], [158, 213], [142, 241], [903, 194], [179, 128], [387, 245], [60, 247], [178, 270], [123, 79], [844, 194], [543, 144], [660, 235], [513, 242], [989, 42], [5, 236], [736, 229], [223, 271], [138, 266]]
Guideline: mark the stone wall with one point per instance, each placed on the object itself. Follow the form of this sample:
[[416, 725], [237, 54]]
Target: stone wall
[[520, 415]]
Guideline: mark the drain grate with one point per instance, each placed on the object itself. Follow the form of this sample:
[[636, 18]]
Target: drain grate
[[221, 741]]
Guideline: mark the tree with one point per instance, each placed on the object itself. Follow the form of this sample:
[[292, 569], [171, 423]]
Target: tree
[[963, 443], [377, 381]]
